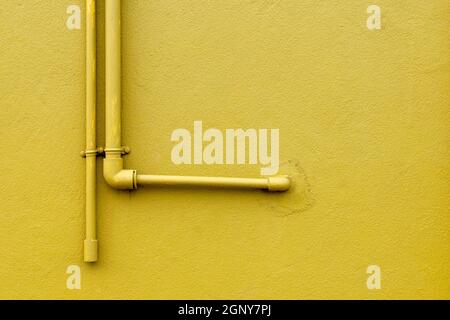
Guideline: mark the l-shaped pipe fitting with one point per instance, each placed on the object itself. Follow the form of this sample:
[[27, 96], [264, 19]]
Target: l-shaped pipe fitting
[[115, 174]]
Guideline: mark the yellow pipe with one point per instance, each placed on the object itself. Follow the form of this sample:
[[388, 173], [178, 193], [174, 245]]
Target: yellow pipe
[[280, 183], [91, 243], [113, 75], [113, 167]]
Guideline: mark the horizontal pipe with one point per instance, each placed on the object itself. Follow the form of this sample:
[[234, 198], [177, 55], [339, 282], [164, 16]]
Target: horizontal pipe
[[279, 183]]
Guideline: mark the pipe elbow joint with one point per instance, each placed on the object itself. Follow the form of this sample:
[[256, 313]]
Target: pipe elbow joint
[[118, 177]]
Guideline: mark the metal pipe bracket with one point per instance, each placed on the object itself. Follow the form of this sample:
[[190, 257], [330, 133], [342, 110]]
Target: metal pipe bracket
[[101, 152]]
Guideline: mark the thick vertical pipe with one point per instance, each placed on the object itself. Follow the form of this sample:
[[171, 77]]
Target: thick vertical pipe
[[113, 77], [91, 244], [113, 166]]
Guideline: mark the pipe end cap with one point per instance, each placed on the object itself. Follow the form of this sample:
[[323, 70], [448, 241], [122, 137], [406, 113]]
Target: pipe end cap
[[279, 183], [90, 250]]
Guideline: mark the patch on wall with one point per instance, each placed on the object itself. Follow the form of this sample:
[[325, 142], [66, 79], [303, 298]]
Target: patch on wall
[[298, 199]]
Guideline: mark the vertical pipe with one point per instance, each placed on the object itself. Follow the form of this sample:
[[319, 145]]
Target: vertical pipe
[[113, 79], [113, 167], [91, 244]]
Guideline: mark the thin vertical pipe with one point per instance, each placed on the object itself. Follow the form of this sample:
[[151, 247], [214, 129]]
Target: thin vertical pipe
[[91, 243]]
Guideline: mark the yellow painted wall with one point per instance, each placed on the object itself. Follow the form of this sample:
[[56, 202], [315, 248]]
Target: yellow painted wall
[[364, 118]]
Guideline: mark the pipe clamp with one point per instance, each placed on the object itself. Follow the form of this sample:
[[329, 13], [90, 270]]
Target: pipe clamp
[[97, 152], [123, 151], [100, 151]]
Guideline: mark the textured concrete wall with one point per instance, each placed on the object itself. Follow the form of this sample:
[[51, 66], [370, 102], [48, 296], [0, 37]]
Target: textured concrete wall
[[364, 118]]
